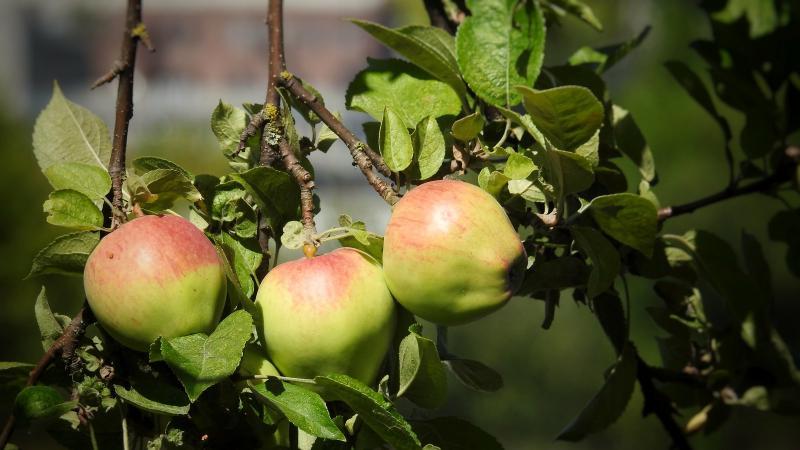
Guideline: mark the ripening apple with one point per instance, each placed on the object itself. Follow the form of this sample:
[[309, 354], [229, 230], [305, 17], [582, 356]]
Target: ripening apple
[[155, 276], [327, 314], [450, 254]]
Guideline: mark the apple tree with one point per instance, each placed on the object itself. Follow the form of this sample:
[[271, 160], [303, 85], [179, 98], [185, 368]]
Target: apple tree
[[503, 180]]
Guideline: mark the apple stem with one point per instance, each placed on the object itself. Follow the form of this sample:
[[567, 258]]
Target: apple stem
[[137, 210], [283, 378], [310, 250]]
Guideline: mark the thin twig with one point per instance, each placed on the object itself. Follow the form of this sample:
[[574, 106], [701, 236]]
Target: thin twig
[[296, 88], [270, 153], [306, 183], [358, 150], [656, 402], [783, 173], [256, 124], [68, 338], [274, 119], [109, 76], [124, 108]]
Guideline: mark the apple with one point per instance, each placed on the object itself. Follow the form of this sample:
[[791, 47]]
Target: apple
[[450, 254], [327, 314], [155, 276]]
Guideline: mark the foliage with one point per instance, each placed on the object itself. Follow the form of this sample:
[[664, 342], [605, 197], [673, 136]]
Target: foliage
[[480, 106]]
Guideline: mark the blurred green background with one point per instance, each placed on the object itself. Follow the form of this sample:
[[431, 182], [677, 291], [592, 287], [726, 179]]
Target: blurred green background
[[210, 50]]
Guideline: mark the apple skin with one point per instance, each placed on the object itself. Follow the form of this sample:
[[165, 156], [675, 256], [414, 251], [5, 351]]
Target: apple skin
[[328, 314], [155, 276], [450, 253]]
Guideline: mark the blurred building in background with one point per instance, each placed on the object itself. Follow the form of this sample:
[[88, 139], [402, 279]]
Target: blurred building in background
[[210, 50]]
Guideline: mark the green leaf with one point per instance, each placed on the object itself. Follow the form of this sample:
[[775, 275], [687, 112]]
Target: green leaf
[[200, 361], [274, 191], [783, 227], [501, 45], [605, 259], [88, 179], [524, 120], [630, 141], [492, 181], [236, 295], [453, 433], [406, 89], [559, 273], [567, 115], [66, 255], [306, 112], [41, 402], [608, 404], [71, 209], [361, 239], [565, 172], [761, 15], [518, 167], [422, 376], [244, 256], [326, 137], [628, 218], [606, 57], [430, 48], [378, 413], [580, 10], [158, 189], [227, 124], [157, 397], [395, 142], [13, 377], [694, 86], [720, 267], [49, 327], [68, 133], [148, 163], [756, 264], [475, 374], [222, 199], [293, 235], [302, 407], [429, 149], [608, 309], [590, 150], [467, 128]]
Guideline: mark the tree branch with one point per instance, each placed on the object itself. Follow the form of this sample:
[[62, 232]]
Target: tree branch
[[656, 402], [124, 69], [135, 31], [64, 345], [363, 156], [783, 173], [296, 88], [274, 126], [306, 183], [270, 152]]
